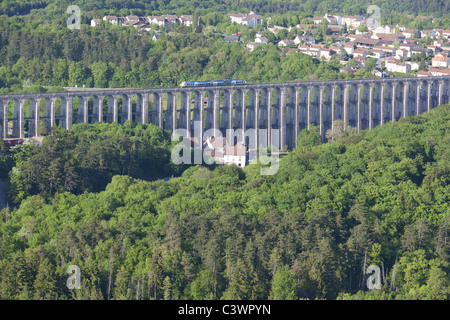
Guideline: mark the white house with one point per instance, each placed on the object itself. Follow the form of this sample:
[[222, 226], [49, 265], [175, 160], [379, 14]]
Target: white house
[[185, 20], [111, 19], [352, 21], [414, 65], [236, 17], [440, 61], [250, 19], [439, 72], [398, 67], [360, 53], [160, 21], [251, 46], [284, 43], [262, 40], [446, 34], [218, 148], [95, 22], [377, 53], [327, 53], [235, 155]]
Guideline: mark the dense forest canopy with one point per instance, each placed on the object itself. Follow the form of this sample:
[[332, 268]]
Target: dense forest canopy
[[97, 196], [379, 197], [435, 7]]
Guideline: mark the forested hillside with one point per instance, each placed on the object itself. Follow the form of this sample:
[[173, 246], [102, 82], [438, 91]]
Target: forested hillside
[[380, 197], [437, 7], [118, 57]]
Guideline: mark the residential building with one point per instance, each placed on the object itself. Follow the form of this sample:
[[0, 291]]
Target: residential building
[[398, 67], [352, 21], [229, 39], [95, 22], [186, 20], [327, 53], [250, 19], [440, 61], [284, 43], [223, 153], [111, 19], [360, 53], [251, 46], [439, 72], [262, 40], [367, 43], [423, 74]]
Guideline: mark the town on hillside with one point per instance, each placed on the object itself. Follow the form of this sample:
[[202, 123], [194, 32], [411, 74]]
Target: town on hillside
[[394, 50]]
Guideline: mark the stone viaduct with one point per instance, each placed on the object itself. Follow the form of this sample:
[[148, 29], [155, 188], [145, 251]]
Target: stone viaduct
[[286, 107]]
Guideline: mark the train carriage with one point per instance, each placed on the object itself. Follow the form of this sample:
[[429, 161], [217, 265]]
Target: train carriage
[[212, 83]]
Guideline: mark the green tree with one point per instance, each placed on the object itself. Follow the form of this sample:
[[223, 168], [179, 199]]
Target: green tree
[[284, 285]]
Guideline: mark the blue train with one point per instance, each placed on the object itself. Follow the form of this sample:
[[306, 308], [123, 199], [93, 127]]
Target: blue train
[[212, 83]]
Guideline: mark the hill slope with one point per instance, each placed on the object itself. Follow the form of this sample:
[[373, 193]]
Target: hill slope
[[380, 198]]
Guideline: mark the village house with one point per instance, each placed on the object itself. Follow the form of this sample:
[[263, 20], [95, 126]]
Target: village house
[[352, 21], [348, 47], [304, 40], [262, 40], [95, 22], [317, 20], [158, 20], [251, 46], [284, 43], [223, 153], [111, 19], [334, 30], [378, 73], [402, 53], [327, 53], [186, 20], [388, 50], [439, 72], [432, 49], [236, 17], [397, 66], [332, 19], [440, 61], [446, 34], [377, 53], [132, 18], [423, 74], [360, 53], [229, 39], [414, 65], [311, 51], [445, 50], [428, 33], [235, 155], [367, 43], [411, 33], [250, 19]]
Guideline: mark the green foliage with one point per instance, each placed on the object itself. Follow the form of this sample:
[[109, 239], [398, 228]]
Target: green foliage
[[88, 156], [379, 197]]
